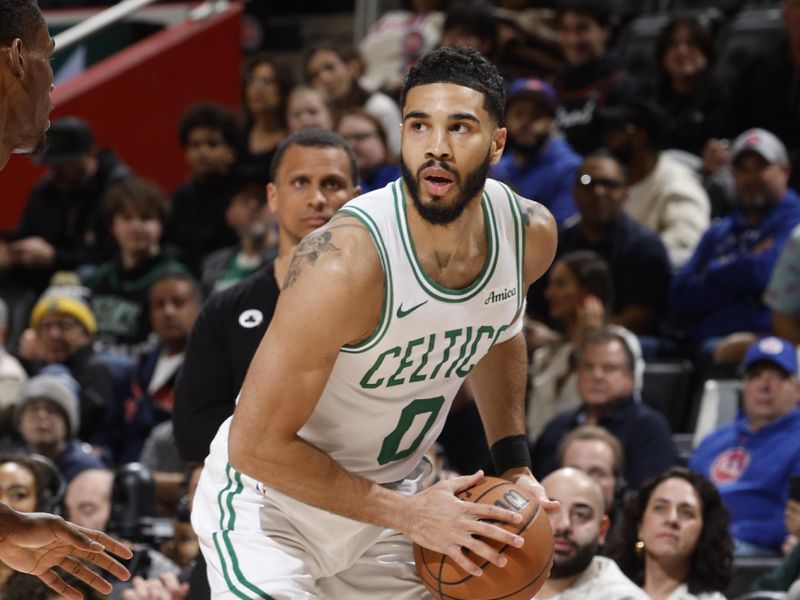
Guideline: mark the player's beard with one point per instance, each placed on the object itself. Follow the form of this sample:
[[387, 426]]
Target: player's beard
[[577, 563], [436, 212]]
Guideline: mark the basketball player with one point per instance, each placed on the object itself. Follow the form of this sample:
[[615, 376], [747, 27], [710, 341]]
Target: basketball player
[[35, 543], [308, 491], [26, 78]]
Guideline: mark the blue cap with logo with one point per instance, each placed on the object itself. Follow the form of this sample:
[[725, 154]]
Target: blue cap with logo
[[533, 87], [773, 349]]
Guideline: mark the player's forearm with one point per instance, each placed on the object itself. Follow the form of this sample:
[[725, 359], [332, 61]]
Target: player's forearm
[[308, 474], [498, 384]]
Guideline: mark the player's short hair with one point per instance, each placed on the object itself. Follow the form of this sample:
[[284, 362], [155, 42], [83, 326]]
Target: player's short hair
[[138, 195], [591, 433], [212, 116], [461, 66], [20, 19], [313, 137], [597, 10]]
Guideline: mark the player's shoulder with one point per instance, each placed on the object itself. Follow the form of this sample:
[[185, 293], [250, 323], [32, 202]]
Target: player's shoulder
[[341, 251]]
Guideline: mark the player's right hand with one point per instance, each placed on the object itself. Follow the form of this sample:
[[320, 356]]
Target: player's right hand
[[440, 521]]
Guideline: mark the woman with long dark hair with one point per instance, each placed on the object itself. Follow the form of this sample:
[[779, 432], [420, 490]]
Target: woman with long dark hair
[[266, 84], [674, 540]]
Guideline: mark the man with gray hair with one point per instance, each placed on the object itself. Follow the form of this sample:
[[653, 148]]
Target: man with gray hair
[[719, 290], [579, 528], [12, 375]]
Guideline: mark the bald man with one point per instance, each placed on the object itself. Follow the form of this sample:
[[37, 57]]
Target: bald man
[[579, 527]]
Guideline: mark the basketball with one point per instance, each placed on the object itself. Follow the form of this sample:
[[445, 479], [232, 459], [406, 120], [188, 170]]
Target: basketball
[[527, 567]]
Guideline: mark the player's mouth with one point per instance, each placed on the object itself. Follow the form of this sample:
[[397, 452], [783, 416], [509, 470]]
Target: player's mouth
[[437, 181]]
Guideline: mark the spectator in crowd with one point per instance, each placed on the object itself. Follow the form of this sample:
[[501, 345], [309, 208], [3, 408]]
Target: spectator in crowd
[[752, 459], [209, 135], [592, 76], [174, 301], [783, 291], [470, 24], [767, 96], [64, 327], [205, 397], [249, 216], [579, 293], [719, 291], [538, 163], [27, 484], [136, 212], [580, 527], [377, 164], [606, 383], [307, 107], [600, 455], [87, 500], [786, 576], [326, 68], [12, 376], [695, 99], [635, 255], [397, 40], [664, 194], [61, 227], [674, 539], [48, 419], [265, 90]]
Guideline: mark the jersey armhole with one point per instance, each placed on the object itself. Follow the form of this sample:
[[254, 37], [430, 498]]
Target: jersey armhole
[[386, 310]]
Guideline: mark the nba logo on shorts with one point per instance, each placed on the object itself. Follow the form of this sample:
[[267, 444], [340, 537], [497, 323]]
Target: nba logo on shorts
[[261, 488], [730, 465]]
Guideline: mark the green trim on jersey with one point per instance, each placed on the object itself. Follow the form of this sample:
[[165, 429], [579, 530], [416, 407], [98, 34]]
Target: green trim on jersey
[[520, 239], [388, 289], [432, 288], [227, 548]]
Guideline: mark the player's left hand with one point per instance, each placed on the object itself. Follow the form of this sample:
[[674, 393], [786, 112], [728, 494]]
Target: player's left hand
[[525, 479]]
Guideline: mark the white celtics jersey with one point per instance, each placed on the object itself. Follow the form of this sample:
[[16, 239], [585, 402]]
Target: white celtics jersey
[[387, 398]]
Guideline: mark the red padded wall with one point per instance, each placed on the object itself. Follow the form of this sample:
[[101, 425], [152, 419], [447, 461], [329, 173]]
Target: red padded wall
[[134, 99]]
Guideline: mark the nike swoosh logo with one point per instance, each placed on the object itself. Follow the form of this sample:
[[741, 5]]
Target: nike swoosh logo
[[404, 313]]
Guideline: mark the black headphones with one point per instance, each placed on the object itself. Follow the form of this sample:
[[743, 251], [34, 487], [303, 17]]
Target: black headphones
[[53, 484]]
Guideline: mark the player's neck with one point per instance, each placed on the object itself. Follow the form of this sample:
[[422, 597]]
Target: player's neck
[[459, 235]]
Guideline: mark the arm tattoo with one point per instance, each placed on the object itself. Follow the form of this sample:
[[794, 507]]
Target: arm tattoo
[[309, 249], [531, 210]]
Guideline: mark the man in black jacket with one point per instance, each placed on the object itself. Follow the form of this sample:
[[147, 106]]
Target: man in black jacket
[[62, 226], [605, 367], [314, 173]]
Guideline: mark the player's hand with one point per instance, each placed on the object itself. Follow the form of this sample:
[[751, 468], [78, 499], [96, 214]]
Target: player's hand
[[525, 479], [36, 543], [444, 523]]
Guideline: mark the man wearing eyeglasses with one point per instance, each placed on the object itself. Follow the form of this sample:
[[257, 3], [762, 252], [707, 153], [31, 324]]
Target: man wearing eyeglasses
[[64, 329], [636, 256]]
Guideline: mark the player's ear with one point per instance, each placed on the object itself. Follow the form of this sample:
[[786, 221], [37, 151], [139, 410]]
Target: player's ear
[[357, 191], [498, 143], [15, 60], [272, 197]]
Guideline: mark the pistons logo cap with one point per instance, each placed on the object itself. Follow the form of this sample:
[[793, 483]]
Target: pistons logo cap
[[773, 349]]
